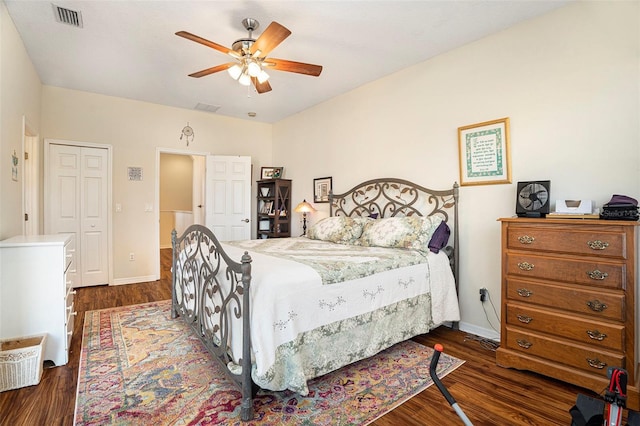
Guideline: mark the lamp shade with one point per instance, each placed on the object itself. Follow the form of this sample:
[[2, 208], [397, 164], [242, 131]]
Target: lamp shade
[[235, 71], [304, 207]]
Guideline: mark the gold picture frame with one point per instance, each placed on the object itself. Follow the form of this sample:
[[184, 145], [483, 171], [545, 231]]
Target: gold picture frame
[[485, 153]]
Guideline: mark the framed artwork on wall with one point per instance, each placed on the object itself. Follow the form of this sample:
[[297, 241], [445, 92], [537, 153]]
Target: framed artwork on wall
[[485, 153], [321, 189]]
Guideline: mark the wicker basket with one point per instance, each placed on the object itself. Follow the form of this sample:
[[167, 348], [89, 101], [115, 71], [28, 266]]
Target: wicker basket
[[21, 361]]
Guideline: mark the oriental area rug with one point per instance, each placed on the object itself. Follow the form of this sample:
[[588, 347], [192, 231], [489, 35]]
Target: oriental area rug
[[140, 367]]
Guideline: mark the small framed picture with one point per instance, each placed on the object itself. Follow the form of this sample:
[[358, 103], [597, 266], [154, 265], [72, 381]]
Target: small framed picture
[[321, 189], [271, 172], [266, 207]]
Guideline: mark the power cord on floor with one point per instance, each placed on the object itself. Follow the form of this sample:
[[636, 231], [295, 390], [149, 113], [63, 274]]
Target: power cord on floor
[[484, 342]]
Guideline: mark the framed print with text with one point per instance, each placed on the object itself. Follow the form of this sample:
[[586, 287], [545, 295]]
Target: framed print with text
[[485, 153]]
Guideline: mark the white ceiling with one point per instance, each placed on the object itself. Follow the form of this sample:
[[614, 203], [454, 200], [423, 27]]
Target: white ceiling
[[129, 49]]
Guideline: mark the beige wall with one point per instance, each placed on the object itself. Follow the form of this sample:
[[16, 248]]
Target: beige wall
[[136, 130], [176, 180], [567, 80], [20, 94]]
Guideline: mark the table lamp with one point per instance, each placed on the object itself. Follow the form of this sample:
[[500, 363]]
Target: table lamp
[[304, 208]]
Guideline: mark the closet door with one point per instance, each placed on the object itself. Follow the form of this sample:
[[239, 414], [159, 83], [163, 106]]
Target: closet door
[[76, 203]]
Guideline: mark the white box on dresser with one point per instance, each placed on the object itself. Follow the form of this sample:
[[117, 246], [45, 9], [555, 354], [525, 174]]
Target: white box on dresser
[[36, 295]]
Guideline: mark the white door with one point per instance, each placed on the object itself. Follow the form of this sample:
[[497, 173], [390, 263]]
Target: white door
[[93, 216], [228, 199], [76, 203]]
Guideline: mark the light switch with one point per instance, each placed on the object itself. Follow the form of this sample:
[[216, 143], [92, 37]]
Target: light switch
[[118, 207], [148, 207]]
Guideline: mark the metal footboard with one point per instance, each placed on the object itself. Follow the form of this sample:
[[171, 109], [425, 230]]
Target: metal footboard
[[208, 290]]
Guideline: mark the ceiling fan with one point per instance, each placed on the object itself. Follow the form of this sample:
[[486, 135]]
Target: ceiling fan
[[251, 61]]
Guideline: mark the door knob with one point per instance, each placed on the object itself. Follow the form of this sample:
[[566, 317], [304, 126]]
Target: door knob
[[244, 220]]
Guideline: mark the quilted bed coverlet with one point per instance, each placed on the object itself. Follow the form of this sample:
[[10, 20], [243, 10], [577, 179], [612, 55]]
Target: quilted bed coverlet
[[317, 306]]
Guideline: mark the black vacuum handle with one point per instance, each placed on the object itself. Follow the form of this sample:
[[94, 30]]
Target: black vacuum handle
[[434, 376]]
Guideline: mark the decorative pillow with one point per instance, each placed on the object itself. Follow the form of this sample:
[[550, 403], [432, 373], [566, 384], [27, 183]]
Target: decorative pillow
[[337, 229], [413, 232], [440, 237]]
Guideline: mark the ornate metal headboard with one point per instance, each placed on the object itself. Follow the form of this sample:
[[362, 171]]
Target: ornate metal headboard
[[397, 197]]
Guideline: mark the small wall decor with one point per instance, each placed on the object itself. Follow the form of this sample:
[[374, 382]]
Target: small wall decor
[[271, 172], [134, 173], [484, 153], [14, 166], [187, 133], [321, 189]]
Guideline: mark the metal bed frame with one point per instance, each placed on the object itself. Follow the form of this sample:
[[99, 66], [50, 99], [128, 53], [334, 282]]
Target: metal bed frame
[[209, 306]]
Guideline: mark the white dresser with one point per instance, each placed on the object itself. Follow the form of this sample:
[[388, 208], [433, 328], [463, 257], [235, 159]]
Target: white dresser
[[35, 294]]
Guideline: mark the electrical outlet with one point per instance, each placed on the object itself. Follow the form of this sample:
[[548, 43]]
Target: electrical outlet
[[484, 294], [132, 256]]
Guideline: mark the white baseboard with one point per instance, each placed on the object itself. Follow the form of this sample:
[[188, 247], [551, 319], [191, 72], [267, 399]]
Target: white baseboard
[[134, 280], [487, 333]]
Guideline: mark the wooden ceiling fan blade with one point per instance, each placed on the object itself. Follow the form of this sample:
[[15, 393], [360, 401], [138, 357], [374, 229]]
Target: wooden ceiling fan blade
[[292, 66], [261, 87], [269, 39], [212, 70], [205, 42]]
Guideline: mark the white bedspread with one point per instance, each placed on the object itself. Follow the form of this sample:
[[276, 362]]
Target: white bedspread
[[288, 298]]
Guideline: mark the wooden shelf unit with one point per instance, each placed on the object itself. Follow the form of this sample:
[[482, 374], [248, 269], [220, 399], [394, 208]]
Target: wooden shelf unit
[[274, 208]]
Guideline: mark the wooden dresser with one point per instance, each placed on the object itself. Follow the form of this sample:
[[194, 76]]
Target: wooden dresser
[[569, 306]]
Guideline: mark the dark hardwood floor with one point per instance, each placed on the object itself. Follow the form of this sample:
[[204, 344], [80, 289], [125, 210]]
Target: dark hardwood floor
[[488, 394]]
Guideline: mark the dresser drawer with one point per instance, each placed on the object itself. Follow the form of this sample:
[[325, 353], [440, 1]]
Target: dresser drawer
[[593, 360], [590, 272], [592, 332], [572, 240], [592, 303]]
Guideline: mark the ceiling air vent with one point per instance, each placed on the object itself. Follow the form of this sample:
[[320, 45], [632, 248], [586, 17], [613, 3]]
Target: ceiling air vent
[[67, 16], [207, 108]]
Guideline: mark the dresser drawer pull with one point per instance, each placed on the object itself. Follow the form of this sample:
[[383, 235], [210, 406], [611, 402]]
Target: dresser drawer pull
[[597, 275], [596, 305], [596, 363], [597, 245], [525, 266], [524, 292], [524, 344], [596, 335], [525, 239], [525, 319]]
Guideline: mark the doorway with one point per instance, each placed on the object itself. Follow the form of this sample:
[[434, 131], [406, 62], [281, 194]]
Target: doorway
[[31, 182], [181, 193], [177, 171], [221, 196]]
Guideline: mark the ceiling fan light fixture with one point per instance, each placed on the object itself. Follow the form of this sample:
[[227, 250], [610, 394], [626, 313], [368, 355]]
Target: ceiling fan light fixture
[[262, 76], [244, 79], [254, 69], [235, 71]]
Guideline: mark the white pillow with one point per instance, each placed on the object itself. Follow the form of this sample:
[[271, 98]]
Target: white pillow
[[413, 232], [337, 229]]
